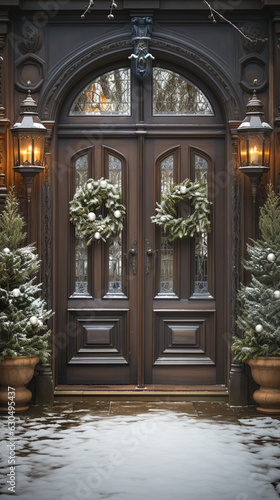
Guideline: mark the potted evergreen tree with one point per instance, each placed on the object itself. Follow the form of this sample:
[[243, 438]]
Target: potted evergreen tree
[[23, 313], [259, 313]]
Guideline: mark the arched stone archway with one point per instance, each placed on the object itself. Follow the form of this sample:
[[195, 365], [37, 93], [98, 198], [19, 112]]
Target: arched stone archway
[[77, 65]]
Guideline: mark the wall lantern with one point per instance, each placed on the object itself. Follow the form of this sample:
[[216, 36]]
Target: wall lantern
[[254, 138], [28, 143]]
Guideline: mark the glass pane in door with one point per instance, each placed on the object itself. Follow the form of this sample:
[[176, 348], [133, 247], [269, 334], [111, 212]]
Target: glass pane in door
[[81, 251], [115, 285], [166, 249], [201, 240]]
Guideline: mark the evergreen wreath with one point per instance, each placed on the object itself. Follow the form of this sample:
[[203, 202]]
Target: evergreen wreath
[[89, 199], [179, 227]]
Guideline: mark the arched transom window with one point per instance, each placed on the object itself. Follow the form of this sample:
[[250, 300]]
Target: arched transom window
[[110, 94], [175, 95]]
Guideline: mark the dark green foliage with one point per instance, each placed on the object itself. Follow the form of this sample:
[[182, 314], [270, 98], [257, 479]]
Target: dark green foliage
[[258, 301], [11, 224], [180, 227], [89, 199], [19, 295]]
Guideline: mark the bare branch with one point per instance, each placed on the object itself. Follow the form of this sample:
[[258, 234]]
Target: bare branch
[[212, 11], [112, 6], [90, 4]]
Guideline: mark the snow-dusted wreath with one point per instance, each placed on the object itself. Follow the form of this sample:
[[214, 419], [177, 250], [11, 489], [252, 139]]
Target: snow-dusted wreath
[[178, 227], [88, 199]]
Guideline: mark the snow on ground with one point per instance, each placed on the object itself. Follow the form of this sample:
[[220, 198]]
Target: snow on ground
[[155, 455]]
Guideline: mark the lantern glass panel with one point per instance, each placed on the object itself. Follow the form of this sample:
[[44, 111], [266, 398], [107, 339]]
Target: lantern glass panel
[[266, 153], [16, 150], [38, 149], [243, 150], [25, 149], [255, 150], [28, 149]]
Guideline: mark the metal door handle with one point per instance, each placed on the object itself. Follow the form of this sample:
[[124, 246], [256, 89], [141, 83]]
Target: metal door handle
[[149, 257], [132, 257]]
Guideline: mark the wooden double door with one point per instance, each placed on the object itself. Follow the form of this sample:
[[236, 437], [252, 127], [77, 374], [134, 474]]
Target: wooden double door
[[138, 309]]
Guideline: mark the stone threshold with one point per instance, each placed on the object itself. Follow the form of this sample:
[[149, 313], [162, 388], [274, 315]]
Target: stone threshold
[[148, 393]]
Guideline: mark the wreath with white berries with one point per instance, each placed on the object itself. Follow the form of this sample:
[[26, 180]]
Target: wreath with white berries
[[167, 211], [89, 199]]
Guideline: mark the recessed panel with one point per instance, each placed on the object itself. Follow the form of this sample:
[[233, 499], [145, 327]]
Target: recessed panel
[[96, 335], [184, 338], [183, 334], [98, 338]]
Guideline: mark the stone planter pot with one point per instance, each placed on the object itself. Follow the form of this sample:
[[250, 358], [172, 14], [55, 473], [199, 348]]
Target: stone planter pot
[[266, 372], [14, 373]]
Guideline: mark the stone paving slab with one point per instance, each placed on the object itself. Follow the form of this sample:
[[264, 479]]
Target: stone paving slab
[[126, 450]]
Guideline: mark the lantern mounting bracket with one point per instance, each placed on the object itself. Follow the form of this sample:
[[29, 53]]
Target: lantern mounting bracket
[[28, 174], [254, 174]]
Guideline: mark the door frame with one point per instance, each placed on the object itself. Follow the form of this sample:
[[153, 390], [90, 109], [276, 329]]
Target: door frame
[[53, 95]]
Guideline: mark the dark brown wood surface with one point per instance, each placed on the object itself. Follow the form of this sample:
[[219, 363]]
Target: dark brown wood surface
[[141, 338]]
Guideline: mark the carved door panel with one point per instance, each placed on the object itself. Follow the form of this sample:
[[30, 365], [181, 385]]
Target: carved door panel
[[97, 298], [184, 280]]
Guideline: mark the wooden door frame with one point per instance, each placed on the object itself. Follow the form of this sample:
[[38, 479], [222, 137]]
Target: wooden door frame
[[62, 80]]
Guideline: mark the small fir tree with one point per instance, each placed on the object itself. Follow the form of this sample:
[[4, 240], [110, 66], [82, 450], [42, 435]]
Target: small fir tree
[[259, 301], [23, 313]]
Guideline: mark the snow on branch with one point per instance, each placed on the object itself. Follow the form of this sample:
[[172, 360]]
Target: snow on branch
[[212, 16], [91, 4], [213, 12]]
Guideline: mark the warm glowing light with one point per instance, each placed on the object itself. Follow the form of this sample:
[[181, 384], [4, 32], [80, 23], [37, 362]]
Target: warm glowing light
[[243, 157], [24, 156], [254, 156]]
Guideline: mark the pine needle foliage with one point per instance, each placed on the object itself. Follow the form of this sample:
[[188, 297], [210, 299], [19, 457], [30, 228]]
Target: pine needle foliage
[[259, 301], [23, 313], [11, 223], [180, 227], [91, 199]]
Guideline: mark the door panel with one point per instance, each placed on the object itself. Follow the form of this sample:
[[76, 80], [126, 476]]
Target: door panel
[[97, 301], [181, 336]]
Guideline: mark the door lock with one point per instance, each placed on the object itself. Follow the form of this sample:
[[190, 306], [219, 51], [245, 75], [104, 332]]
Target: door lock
[[149, 257], [132, 257]]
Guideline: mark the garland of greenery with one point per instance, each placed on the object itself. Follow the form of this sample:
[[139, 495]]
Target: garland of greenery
[[90, 198], [178, 227]]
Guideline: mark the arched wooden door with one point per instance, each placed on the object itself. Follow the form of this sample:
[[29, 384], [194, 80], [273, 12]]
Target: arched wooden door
[[138, 309]]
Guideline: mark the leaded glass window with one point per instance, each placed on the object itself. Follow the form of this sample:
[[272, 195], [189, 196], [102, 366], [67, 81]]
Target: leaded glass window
[[81, 253], [201, 240], [115, 242], [109, 94], [175, 95], [166, 248]]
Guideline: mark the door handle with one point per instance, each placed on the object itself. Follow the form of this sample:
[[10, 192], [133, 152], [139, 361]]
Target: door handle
[[149, 257], [132, 257]]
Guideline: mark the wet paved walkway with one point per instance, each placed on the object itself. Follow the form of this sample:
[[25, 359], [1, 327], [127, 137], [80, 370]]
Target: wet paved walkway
[[142, 451]]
